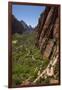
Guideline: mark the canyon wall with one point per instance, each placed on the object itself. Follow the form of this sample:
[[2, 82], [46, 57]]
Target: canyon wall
[[48, 29]]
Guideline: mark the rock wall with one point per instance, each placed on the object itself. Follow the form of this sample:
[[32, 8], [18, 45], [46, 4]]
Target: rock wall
[[48, 32]]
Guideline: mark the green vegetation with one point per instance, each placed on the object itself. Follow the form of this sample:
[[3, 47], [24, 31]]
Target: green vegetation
[[26, 58]]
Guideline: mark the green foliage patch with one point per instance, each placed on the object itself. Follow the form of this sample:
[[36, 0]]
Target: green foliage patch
[[26, 58]]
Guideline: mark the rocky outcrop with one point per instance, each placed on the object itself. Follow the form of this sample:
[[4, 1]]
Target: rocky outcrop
[[48, 32]]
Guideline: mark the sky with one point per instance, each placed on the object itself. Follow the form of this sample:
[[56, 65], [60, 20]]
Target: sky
[[28, 13]]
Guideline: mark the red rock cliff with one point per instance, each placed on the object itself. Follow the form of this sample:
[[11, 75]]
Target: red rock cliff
[[48, 31]]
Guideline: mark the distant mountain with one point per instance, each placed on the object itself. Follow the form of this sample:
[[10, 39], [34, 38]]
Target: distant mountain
[[31, 28], [24, 25], [20, 26]]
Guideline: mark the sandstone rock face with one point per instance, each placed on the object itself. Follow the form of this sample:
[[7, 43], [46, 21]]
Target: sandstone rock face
[[48, 32], [48, 49]]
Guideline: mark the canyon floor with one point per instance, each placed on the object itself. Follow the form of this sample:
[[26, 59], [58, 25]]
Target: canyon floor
[[27, 61]]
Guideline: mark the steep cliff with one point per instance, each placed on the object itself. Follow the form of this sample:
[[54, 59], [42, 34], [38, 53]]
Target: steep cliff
[[48, 32], [48, 41]]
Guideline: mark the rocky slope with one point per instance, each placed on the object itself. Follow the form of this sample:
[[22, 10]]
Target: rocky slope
[[48, 30]]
